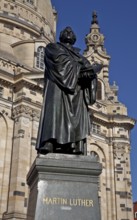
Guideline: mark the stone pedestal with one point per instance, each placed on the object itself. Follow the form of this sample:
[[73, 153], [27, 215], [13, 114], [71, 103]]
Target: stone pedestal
[[64, 187]]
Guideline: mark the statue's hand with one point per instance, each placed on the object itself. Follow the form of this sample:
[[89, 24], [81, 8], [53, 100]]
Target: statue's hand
[[97, 67]]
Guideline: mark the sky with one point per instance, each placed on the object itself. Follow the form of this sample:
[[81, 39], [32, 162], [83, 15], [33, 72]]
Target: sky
[[118, 22]]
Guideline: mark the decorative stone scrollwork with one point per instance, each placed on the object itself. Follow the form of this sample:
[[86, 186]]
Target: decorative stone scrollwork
[[5, 65], [25, 110], [120, 146], [35, 114], [120, 149], [3, 113]]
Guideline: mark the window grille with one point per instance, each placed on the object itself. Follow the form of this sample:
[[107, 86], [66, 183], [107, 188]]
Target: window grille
[[96, 128], [99, 91], [30, 1], [1, 91], [40, 58]]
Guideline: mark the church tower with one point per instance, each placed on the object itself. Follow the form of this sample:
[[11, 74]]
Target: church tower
[[26, 27], [110, 135]]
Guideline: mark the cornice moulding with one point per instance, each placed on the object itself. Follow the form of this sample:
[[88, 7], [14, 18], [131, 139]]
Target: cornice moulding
[[114, 120], [22, 81]]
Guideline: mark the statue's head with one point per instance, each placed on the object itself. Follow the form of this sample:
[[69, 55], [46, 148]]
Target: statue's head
[[67, 36]]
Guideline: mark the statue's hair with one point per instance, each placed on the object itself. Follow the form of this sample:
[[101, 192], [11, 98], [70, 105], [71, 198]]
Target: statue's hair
[[62, 37]]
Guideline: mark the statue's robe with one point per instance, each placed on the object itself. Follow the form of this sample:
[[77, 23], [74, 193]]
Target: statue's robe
[[67, 92]]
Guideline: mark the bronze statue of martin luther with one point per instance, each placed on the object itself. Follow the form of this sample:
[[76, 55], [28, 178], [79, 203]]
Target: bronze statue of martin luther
[[70, 86]]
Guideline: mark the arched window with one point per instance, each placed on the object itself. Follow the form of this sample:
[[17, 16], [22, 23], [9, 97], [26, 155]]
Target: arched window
[[99, 91], [135, 214], [40, 58]]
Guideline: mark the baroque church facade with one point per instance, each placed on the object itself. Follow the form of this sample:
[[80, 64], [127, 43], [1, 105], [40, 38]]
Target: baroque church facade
[[26, 27]]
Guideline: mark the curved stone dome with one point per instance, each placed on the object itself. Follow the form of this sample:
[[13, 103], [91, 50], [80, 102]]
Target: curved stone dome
[[28, 16], [23, 20], [42, 7]]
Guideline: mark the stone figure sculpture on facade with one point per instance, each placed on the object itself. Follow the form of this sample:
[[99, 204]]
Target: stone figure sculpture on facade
[[70, 85]]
